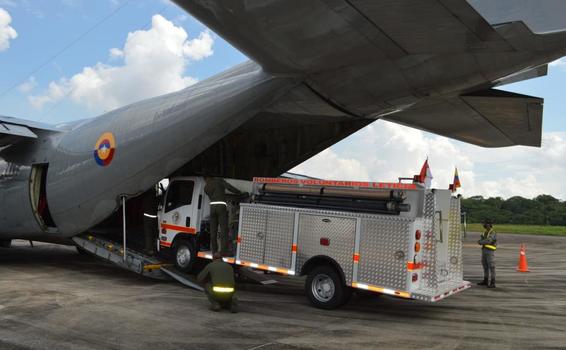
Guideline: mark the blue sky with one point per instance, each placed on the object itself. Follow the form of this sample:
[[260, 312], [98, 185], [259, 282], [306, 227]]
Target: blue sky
[[45, 27], [67, 43]]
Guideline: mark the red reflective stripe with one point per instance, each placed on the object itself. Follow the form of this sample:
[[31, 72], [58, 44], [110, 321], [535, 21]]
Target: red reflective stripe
[[335, 183], [165, 244], [411, 266], [185, 229]]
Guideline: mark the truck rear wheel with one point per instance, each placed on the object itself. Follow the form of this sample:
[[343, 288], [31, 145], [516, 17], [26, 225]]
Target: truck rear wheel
[[325, 288], [184, 255], [5, 243]]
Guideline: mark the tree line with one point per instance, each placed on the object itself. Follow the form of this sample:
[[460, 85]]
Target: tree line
[[541, 210]]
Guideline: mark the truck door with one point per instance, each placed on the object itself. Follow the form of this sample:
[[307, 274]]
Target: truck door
[[180, 211]]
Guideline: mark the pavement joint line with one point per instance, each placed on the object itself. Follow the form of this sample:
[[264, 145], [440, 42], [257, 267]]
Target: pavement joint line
[[261, 346]]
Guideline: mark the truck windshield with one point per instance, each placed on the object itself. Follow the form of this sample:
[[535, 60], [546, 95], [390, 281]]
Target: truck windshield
[[179, 193]]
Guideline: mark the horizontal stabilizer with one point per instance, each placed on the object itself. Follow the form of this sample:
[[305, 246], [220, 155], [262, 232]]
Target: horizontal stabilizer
[[490, 118]]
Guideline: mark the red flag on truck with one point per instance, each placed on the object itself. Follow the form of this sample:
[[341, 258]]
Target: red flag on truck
[[425, 176]]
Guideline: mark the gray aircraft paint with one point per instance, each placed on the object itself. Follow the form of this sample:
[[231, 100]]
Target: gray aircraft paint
[[304, 94]]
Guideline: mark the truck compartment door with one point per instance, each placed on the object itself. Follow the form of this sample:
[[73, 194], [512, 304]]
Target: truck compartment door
[[279, 239], [327, 235], [252, 235], [384, 252]]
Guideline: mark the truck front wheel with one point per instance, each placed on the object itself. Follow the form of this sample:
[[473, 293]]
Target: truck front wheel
[[325, 288], [184, 255], [5, 243]]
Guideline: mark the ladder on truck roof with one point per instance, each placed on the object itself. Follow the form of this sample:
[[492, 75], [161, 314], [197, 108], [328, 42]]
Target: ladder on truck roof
[[134, 261]]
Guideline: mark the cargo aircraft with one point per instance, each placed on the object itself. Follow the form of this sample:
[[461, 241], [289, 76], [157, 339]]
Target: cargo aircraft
[[319, 70]]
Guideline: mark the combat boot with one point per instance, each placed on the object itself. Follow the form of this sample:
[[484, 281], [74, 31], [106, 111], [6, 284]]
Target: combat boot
[[215, 306], [234, 305], [491, 284], [483, 283]]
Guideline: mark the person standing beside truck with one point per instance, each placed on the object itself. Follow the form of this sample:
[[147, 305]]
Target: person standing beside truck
[[218, 277], [488, 242], [215, 189]]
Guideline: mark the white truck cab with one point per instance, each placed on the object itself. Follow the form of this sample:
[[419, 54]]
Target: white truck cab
[[183, 217]]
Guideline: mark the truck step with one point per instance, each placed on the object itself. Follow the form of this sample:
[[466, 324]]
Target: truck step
[[254, 276]]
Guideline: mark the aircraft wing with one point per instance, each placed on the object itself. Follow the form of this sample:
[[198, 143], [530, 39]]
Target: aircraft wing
[[491, 118], [286, 36], [354, 54], [13, 130], [412, 62]]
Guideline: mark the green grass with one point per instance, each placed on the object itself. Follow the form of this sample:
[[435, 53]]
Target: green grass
[[523, 229]]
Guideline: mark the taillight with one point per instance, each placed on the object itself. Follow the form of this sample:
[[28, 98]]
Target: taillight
[[415, 277], [164, 231], [417, 247], [418, 235]]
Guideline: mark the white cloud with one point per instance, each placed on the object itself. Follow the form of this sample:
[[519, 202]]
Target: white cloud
[[7, 33], [154, 63], [28, 85], [114, 53], [385, 152], [328, 165]]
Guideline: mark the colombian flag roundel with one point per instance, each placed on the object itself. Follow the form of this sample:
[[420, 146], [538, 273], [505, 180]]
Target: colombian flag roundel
[[104, 149]]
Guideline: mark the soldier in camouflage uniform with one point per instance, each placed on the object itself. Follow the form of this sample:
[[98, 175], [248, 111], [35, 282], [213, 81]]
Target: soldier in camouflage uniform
[[218, 278], [488, 242], [215, 189]]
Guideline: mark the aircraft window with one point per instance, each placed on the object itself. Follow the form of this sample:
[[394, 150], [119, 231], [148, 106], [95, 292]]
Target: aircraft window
[[179, 193]]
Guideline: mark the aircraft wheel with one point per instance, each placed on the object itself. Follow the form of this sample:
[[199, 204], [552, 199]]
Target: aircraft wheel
[[5, 243], [185, 255]]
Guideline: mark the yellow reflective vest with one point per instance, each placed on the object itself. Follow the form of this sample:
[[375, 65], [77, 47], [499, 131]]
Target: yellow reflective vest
[[488, 240]]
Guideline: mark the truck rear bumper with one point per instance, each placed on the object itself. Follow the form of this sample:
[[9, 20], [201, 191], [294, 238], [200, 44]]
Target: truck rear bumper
[[441, 293]]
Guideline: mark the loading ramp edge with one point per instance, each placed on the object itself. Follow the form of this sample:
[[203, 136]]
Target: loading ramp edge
[[135, 261], [181, 278]]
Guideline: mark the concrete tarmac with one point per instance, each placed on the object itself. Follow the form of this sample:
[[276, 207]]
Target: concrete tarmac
[[51, 297]]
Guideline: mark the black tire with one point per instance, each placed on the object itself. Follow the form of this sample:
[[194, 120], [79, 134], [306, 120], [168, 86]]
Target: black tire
[[82, 251], [184, 255], [325, 289], [5, 243]]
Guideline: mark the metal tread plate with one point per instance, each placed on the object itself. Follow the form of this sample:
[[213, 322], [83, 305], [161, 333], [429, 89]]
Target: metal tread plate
[[384, 252]]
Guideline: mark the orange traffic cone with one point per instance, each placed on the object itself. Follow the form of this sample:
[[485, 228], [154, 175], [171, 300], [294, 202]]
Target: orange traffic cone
[[523, 267]]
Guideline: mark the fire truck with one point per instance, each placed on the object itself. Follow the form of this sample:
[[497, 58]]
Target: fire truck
[[399, 239]]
